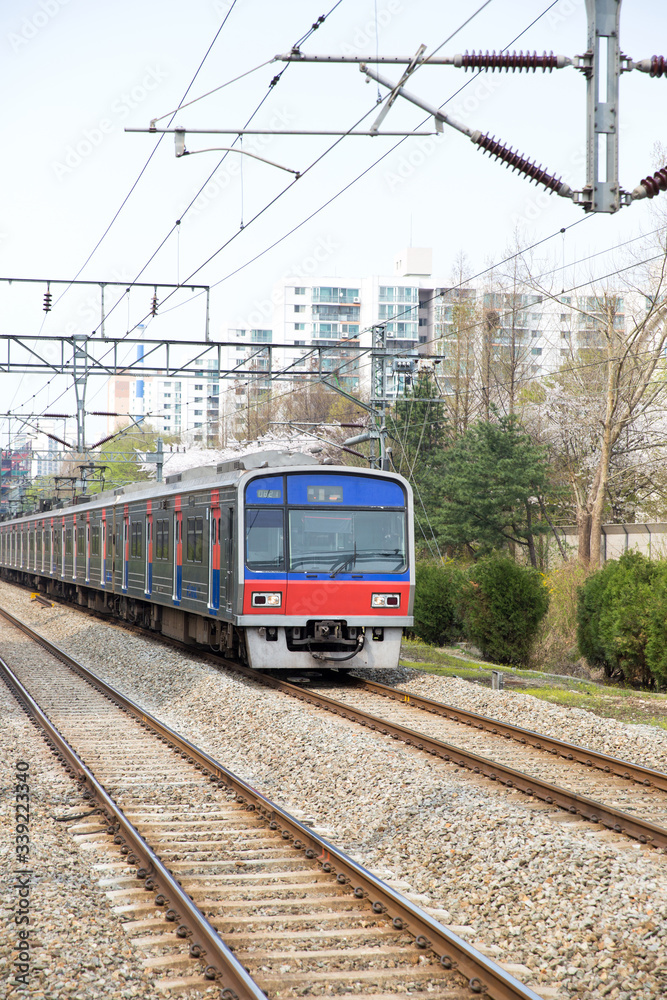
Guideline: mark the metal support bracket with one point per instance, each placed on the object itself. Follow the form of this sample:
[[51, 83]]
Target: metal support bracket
[[411, 67]]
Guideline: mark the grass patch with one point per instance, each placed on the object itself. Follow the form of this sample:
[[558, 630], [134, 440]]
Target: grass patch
[[605, 700]]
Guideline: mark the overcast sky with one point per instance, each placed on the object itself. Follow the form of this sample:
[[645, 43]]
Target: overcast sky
[[76, 74]]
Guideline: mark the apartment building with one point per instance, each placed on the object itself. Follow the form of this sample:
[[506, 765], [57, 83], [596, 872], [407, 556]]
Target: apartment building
[[481, 325]]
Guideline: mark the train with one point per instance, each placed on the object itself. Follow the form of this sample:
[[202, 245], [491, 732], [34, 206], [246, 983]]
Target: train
[[271, 559]]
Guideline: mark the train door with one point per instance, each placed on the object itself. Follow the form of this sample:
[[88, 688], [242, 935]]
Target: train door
[[148, 581], [76, 539], [178, 551], [116, 549], [63, 547], [103, 550], [214, 554], [52, 543], [126, 547], [227, 557], [87, 557]]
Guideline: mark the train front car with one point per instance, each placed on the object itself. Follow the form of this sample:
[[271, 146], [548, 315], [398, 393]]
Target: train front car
[[327, 567]]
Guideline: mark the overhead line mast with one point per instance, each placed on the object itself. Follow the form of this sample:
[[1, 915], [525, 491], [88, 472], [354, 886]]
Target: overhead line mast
[[601, 64]]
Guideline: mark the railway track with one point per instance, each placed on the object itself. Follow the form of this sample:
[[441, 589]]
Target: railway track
[[263, 905], [639, 813], [629, 799]]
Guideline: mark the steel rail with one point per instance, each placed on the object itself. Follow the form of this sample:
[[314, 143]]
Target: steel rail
[[484, 975], [222, 963], [589, 809], [570, 751]]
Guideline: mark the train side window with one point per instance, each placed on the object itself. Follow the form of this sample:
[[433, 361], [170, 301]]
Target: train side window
[[195, 539], [94, 541], [162, 538], [80, 541], [68, 542], [136, 547]]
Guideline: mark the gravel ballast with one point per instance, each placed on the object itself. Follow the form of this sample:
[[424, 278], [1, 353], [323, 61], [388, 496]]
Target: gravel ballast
[[77, 948], [573, 910]]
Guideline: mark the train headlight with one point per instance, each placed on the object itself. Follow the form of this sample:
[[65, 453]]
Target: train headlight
[[267, 600], [385, 600]]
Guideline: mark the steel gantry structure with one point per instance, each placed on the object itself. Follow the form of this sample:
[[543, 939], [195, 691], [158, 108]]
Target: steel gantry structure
[[81, 357]]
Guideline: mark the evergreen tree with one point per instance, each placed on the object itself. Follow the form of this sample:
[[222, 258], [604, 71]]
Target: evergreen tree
[[491, 483], [418, 427]]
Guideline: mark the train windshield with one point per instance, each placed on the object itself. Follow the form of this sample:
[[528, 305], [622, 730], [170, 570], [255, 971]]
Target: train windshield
[[347, 541]]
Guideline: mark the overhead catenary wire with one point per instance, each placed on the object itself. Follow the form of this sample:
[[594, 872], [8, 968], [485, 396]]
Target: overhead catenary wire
[[155, 148], [319, 21], [275, 243], [135, 183], [314, 27], [497, 383]]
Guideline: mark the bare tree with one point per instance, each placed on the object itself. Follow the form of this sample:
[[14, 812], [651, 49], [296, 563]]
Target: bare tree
[[610, 387], [458, 324]]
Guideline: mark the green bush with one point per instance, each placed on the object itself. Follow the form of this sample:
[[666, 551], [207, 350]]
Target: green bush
[[590, 602], [502, 605], [656, 626], [621, 614], [623, 625], [437, 588]]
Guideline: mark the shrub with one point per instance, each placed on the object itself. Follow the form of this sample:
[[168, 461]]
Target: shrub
[[590, 601], [556, 645], [623, 624], [437, 588], [502, 606], [656, 643], [619, 608]]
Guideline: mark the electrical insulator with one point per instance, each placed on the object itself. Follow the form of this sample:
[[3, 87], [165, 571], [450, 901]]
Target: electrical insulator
[[511, 61], [649, 187], [655, 66], [47, 302], [520, 163], [154, 306], [658, 66]]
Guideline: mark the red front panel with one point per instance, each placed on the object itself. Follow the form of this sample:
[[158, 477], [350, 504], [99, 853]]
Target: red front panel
[[327, 598]]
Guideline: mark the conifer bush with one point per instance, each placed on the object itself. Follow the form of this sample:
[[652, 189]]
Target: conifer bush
[[437, 588], [624, 616], [502, 605], [656, 626], [591, 601], [622, 619]]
